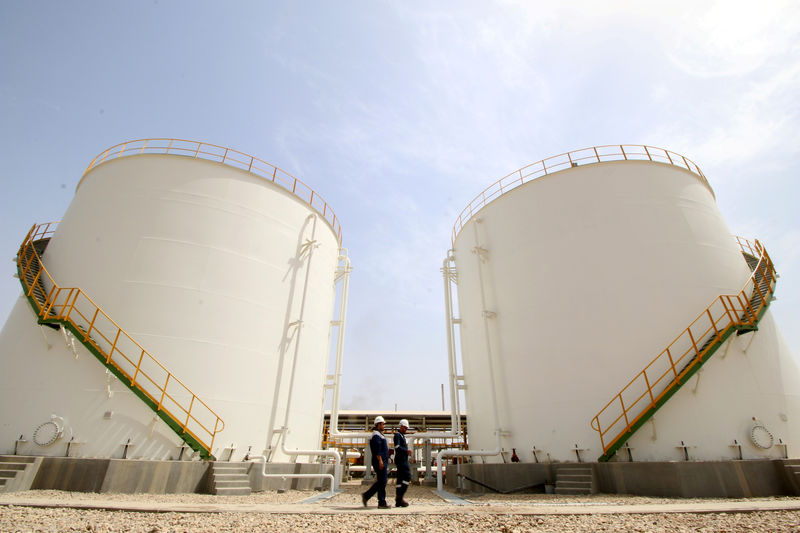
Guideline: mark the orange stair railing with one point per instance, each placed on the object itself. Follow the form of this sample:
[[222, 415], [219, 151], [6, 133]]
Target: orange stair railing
[[629, 409], [194, 421]]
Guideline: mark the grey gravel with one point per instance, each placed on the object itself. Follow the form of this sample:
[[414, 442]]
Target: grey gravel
[[500, 513]]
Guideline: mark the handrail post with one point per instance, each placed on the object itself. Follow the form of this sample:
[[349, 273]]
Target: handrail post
[[748, 307], [727, 309], [189, 412], [35, 279], [113, 347], [91, 324], [649, 388], [163, 392], [696, 350], [138, 366], [672, 365], [49, 300], [713, 324], [624, 413], [213, 436], [74, 298]]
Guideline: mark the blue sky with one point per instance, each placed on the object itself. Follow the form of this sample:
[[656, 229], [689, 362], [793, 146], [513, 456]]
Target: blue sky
[[398, 114]]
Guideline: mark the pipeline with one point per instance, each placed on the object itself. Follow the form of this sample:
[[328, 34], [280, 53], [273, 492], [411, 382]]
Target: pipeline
[[325, 453], [479, 453], [263, 458]]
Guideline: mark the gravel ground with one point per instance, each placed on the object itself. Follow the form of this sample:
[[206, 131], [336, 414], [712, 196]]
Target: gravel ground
[[345, 513]]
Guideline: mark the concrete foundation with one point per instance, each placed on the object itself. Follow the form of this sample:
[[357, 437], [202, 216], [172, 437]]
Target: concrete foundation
[[260, 483], [693, 479], [121, 475], [129, 476]]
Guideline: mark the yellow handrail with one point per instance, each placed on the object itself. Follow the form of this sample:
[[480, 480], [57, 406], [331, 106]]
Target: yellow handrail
[[226, 156], [584, 156], [679, 358], [73, 306]]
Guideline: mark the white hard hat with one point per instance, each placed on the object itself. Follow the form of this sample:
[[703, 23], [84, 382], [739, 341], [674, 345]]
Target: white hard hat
[[404, 423], [379, 419]]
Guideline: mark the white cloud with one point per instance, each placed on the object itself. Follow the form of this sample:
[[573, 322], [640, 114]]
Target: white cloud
[[729, 38]]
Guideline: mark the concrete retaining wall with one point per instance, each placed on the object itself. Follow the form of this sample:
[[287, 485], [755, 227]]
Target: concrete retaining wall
[[260, 483], [693, 479], [161, 477], [121, 475], [719, 479]]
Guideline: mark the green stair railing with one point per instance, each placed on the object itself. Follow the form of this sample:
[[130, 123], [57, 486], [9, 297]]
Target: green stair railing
[[194, 421], [651, 388]]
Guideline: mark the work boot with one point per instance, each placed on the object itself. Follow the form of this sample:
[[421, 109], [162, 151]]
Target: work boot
[[384, 506], [364, 498], [401, 503]]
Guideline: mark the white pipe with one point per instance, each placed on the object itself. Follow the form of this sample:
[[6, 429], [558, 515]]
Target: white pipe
[[285, 429], [451, 355], [263, 460], [310, 249], [284, 347], [333, 429], [496, 451]]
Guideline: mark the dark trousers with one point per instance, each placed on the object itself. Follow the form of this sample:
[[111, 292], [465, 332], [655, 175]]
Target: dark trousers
[[403, 479], [381, 475]]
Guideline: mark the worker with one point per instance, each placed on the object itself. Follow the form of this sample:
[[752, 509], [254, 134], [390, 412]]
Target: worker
[[380, 464], [401, 454]]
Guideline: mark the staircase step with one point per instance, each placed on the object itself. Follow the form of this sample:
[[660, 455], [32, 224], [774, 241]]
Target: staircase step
[[5, 473], [219, 484], [575, 485], [574, 479], [240, 491], [230, 470], [230, 479], [13, 466], [16, 459], [230, 466], [571, 491]]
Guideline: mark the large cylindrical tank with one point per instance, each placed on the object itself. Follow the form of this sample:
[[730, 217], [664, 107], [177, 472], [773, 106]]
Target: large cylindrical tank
[[221, 266], [573, 274]]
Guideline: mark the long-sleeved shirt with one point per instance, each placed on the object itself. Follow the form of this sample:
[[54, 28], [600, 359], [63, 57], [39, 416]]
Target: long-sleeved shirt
[[379, 447], [400, 449]]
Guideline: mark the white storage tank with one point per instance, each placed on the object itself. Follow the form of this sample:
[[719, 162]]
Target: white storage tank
[[219, 266], [573, 274]]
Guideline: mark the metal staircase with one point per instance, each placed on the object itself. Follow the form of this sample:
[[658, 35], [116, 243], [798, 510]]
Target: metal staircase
[[70, 308], [651, 388]]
